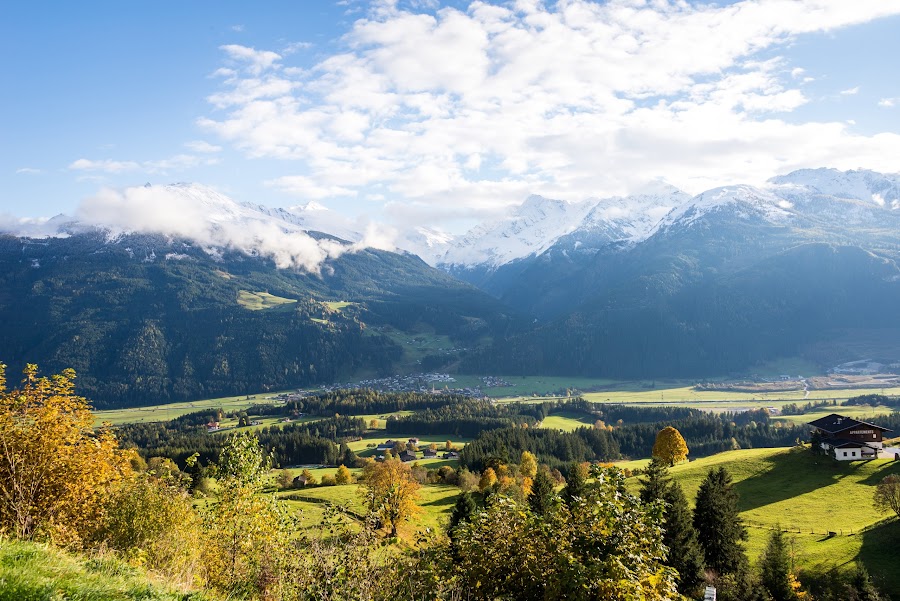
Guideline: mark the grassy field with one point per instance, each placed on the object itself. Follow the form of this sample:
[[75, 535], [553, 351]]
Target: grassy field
[[156, 413], [809, 497], [860, 412], [257, 301], [34, 572]]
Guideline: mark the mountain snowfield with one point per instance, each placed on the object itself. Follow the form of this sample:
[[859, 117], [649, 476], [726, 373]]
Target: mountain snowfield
[[824, 196]]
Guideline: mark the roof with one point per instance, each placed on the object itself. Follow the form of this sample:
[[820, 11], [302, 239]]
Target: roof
[[843, 443], [835, 423]]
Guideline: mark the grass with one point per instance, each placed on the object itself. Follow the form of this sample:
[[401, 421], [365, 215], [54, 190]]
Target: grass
[[567, 421], [258, 301], [158, 413], [34, 572], [860, 412], [809, 497]]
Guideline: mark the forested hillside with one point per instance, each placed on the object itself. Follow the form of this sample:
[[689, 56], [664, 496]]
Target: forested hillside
[[147, 319]]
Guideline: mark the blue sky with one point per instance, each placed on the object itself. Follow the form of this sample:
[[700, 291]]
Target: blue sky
[[420, 112]]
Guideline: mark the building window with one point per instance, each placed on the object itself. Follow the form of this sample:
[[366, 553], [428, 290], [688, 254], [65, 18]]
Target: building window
[[845, 453]]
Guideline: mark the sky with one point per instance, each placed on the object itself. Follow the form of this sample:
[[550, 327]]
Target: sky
[[438, 113]]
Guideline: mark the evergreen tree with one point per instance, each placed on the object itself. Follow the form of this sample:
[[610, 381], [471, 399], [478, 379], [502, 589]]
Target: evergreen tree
[[653, 487], [775, 569], [719, 528], [680, 536], [576, 483], [348, 457], [542, 494], [463, 510]]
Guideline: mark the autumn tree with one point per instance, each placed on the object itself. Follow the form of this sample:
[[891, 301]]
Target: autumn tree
[[390, 492], [246, 544], [606, 546], [54, 466], [887, 494], [343, 475], [528, 466], [488, 479], [670, 446]]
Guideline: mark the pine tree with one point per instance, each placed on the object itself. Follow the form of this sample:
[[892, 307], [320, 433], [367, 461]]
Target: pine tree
[[542, 494], [463, 510], [576, 483], [680, 536], [653, 487], [719, 528], [775, 569]]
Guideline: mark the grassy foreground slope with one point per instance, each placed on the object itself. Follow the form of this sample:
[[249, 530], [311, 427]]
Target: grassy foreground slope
[[810, 497], [33, 572]]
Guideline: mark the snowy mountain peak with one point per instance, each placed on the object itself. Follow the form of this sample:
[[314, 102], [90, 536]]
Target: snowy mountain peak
[[882, 190], [744, 200]]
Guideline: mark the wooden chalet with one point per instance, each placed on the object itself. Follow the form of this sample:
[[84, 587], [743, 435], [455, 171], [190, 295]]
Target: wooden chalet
[[850, 438]]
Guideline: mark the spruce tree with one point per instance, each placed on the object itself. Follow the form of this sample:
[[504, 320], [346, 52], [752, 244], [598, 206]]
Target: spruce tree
[[680, 536], [542, 494], [576, 483], [775, 568], [463, 510], [719, 528], [653, 487]]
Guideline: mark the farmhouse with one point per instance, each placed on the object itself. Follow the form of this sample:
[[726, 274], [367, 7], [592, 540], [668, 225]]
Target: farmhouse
[[850, 439], [407, 456]]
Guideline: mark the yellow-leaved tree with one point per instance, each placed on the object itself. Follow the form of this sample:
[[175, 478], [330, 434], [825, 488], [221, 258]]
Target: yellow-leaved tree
[[390, 492], [670, 446], [55, 467]]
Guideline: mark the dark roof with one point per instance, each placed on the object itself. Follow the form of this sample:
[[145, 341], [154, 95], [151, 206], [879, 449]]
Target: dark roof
[[843, 443], [407, 456], [835, 423]]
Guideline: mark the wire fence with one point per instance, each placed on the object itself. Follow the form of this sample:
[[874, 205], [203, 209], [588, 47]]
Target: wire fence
[[790, 529]]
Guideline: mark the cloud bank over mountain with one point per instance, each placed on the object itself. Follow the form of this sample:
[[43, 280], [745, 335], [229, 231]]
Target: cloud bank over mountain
[[456, 113]]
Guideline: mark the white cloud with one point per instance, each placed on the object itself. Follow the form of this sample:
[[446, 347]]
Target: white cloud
[[850, 91], [888, 103], [473, 109], [256, 61], [237, 28], [28, 171], [178, 162], [304, 187], [203, 146], [105, 165], [175, 213], [295, 47]]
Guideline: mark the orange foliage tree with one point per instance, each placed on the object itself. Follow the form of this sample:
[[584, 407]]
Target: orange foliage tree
[[390, 491], [670, 446], [54, 466]]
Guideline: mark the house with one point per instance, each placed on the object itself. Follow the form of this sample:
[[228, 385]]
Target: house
[[385, 446], [850, 439], [428, 453], [451, 455], [407, 456], [300, 481], [413, 441], [212, 427]]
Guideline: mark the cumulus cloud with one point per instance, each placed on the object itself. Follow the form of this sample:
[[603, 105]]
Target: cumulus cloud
[[473, 109], [208, 219], [888, 103]]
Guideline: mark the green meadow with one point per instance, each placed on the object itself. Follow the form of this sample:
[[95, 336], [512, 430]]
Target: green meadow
[[809, 497]]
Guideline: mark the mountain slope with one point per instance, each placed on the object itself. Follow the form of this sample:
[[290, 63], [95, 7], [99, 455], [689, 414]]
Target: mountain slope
[[149, 318]]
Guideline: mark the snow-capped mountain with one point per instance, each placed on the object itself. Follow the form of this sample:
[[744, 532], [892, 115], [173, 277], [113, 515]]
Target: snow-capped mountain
[[882, 190], [531, 228]]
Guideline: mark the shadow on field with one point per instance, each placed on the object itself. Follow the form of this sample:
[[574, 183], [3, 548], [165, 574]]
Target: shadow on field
[[885, 470], [880, 553], [789, 475], [442, 502]]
